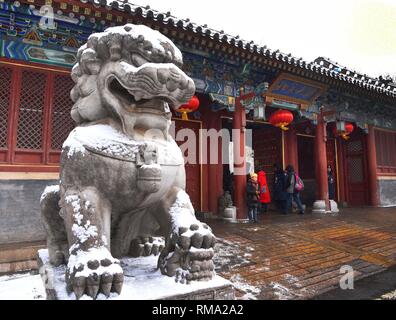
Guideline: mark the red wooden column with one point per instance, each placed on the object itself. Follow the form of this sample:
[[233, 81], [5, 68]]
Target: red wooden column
[[215, 170], [341, 180], [291, 151], [322, 204], [239, 127], [372, 168]]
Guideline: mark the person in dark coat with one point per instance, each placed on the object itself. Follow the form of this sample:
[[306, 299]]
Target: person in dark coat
[[252, 197], [292, 193], [279, 182], [331, 182], [265, 197]]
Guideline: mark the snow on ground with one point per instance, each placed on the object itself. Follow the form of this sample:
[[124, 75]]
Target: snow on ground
[[250, 292], [280, 291], [229, 256], [288, 288], [21, 287], [388, 296]]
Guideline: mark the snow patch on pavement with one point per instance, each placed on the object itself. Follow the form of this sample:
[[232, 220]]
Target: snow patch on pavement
[[250, 292], [21, 287]]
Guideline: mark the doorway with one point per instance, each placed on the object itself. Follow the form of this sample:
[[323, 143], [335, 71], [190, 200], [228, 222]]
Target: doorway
[[356, 185]]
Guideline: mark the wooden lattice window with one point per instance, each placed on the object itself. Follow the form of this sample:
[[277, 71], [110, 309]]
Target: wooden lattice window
[[34, 115], [31, 111], [356, 173], [386, 151], [62, 123], [5, 93]]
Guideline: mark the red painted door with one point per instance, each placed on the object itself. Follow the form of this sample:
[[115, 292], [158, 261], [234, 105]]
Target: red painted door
[[267, 146], [356, 171], [193, 170]]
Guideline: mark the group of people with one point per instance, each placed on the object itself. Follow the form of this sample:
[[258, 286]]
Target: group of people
[[287, 186]]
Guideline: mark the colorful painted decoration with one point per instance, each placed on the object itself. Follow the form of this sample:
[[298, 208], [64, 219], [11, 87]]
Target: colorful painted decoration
[[281, 119], [190, 106]]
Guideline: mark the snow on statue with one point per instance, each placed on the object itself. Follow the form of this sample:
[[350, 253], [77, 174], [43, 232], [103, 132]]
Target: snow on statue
[[122, 174]]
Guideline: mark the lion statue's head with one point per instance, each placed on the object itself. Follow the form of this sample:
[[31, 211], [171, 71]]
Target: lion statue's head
[[131, 74]]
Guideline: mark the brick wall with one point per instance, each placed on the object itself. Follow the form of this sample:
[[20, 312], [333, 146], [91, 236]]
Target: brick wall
[[20, 210]]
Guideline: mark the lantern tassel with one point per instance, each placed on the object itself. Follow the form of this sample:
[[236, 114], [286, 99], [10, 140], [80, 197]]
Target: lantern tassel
[[184, 116], [283, 126], [345, 136]]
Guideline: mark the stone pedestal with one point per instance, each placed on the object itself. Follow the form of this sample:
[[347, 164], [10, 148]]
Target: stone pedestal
[[230, 214], [142, 281], [319, 206]]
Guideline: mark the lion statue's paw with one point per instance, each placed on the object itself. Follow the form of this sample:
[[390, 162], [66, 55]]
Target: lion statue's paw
[[144, 246], [189, 256], [92, 272]]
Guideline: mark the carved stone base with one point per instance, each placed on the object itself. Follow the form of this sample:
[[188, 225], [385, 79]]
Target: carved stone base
[[230, 214], [319, 206], [142, 281], [334, 207]]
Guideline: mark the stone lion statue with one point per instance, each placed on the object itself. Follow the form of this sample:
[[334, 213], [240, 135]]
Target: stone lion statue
[[122, 175]]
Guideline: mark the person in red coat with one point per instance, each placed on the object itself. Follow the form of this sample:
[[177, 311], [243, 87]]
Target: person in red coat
[[265, 197]]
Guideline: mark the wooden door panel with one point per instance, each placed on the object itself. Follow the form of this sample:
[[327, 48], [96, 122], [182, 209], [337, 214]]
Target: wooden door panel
[[356, 175], [267, 146]]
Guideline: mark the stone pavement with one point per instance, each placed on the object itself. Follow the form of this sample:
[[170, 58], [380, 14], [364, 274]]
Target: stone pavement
[[299, 257]]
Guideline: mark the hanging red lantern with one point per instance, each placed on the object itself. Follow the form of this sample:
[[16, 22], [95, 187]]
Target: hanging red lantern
[[281, 119], [348, 129], [190, 106]]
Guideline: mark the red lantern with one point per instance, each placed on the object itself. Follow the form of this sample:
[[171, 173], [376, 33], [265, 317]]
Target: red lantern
[[281, 119], [190, 106], [349, 127]]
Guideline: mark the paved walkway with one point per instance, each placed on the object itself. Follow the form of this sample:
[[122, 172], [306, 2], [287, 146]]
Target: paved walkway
[[299, 257]]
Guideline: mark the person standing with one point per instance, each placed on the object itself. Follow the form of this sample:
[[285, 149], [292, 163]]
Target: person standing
[[293, 190], [331, 182], [253, 195], [265, 197], [279, 193]]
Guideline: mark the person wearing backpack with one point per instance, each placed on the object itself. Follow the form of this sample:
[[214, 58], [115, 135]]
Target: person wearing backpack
[[265, 197], [294, 185]]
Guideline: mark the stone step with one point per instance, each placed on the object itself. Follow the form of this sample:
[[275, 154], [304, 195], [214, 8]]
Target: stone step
[[16, 257]]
